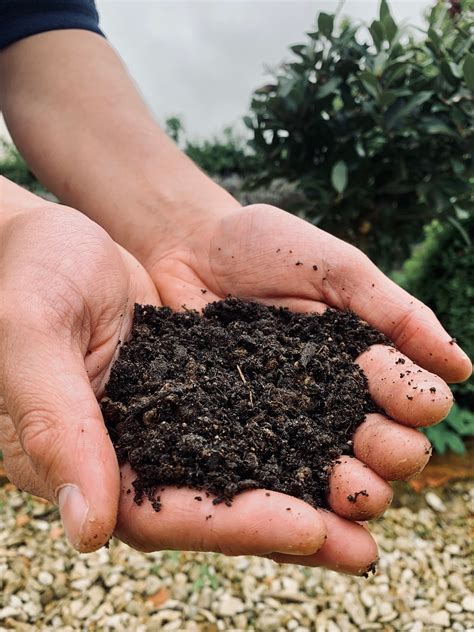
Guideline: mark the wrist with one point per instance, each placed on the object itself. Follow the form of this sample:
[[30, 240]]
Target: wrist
[[168, 206]]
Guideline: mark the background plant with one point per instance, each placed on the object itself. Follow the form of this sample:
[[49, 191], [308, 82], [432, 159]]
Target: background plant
[[441, 273], [375, 125], [223, 155], [13, 167]]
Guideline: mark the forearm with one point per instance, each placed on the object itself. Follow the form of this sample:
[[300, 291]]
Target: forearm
[[81, 125]]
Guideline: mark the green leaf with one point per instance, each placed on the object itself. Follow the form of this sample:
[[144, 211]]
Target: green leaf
[[266, 89], [461, 420], [370, 83], [387, 99], [286, 86], [326, 23], [380, 62], [248, 121], [405, 109], [328, 88], [395, 72], [460, 228], [437, 436], [384, 10], [378, 34], [390, 27], [432, 126], [455, 443], [299, 49], [468, 70], [339, 176]]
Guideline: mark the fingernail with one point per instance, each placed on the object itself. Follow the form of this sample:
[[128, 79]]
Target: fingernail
[[73, 508]]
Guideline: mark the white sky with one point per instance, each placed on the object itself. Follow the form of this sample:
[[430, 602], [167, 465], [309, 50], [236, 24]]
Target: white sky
[[202, 59]]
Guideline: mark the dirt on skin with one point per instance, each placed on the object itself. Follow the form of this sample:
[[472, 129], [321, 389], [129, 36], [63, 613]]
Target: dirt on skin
[[241, 396]]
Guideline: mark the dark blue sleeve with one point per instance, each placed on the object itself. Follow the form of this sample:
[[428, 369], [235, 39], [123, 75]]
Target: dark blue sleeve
[[22, 18]]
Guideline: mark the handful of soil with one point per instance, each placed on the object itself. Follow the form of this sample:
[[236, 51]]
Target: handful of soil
[[242, 396]]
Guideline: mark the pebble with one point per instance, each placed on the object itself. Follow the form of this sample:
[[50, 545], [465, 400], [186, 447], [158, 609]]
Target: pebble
[[45, 584], [45, 578], [435, 502], [230, 606], [441, 618], [468, 603], [33, 610], [7, 612]]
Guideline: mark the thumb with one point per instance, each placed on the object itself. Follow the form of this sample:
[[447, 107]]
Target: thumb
[[60, 427]]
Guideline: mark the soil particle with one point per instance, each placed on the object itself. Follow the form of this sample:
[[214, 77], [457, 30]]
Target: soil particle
[[243, 396], [352, 498], [372, 569]]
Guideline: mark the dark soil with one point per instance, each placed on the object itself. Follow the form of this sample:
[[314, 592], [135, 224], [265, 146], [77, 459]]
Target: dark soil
[[240, 397]]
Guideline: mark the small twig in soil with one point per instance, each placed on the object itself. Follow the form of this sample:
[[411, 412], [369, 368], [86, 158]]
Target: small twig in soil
[[241, 375], [245, 382]]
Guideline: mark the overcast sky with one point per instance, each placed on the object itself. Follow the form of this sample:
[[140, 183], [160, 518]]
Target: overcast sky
[[202, 59]]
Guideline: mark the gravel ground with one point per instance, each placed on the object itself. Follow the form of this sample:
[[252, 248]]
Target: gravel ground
[[422, 583]]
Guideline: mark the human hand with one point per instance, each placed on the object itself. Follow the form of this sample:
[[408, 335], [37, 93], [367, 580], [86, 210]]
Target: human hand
[[66, 302], [264, 253], [66, 299], [67, 295]]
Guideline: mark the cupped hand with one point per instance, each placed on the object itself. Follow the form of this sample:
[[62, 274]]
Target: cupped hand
[[263, 253], [66, 299]]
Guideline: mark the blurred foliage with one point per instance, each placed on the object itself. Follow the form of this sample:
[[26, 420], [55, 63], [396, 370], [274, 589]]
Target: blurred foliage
[[13, 167], [223, 155], [449, 434], [375, 125], [441, 274]]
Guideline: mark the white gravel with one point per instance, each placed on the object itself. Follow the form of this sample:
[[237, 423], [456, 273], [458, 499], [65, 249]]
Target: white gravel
[[423, 583]]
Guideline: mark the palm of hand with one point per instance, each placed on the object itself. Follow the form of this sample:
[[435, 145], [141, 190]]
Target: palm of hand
[[265, 254]]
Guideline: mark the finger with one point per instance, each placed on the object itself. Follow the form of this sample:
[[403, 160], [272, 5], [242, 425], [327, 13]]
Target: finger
[[186, 292], [406, 393], [356, 492], [349, 548], [309, 263], [394, 452], [60, 428], [411, 325], [257, 523]]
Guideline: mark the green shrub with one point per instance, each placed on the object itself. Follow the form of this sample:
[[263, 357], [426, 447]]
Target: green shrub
[[222, 156], [441, 274], [375, 126]]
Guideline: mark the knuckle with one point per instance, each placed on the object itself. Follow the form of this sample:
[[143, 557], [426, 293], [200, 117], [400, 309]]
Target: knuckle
[[36, 431], [406, 327]]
